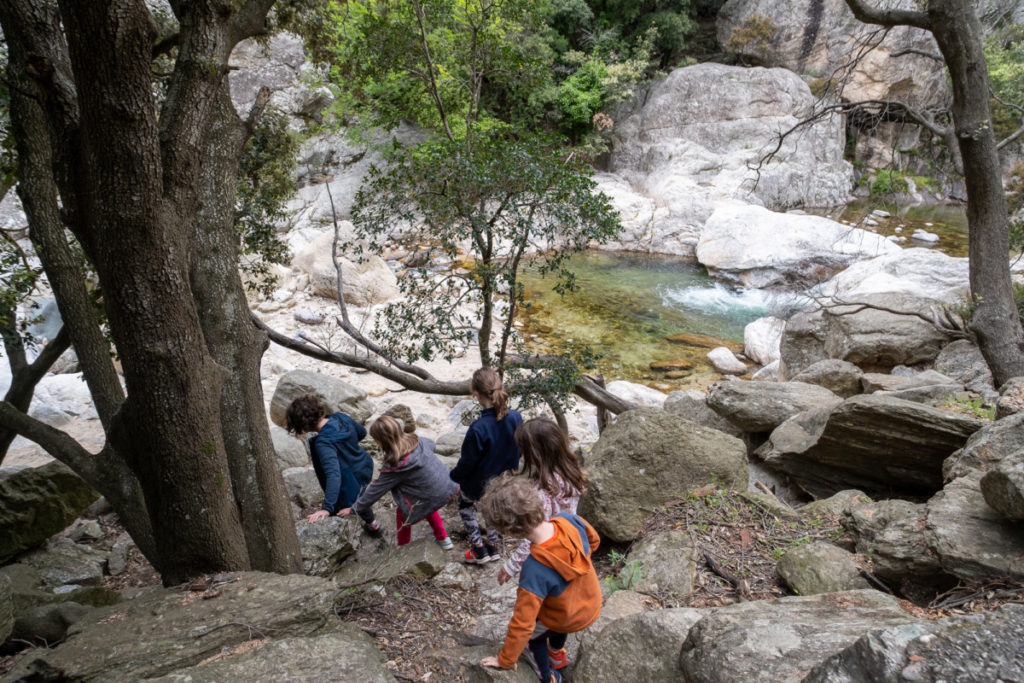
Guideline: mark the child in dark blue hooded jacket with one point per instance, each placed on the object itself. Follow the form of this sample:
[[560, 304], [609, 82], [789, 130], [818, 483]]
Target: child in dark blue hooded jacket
[[488, 450], [341, 465]]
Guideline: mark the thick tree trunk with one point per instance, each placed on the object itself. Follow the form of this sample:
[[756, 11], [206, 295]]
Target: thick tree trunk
[[138, 236], [995, 321], [42, 113], [188, 464], [238, 346]]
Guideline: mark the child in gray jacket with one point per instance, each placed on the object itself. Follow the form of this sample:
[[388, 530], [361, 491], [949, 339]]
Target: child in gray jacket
[[417, 479]]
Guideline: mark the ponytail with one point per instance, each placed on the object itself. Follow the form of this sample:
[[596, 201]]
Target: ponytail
[[487, 382]]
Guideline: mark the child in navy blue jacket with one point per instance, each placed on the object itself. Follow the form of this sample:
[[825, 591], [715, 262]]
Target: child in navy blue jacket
[[488, 450], [342, 467]]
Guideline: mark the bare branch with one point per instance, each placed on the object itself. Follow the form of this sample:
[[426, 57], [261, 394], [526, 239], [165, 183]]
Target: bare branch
[[54, 441], [870, 14], [586, 389], [415, 382], [923, 53], [432, 82], [953, 327], [346, 324], [256, 111]]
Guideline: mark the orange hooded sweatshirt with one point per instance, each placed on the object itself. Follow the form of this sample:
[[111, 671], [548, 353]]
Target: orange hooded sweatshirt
[[557, 587]]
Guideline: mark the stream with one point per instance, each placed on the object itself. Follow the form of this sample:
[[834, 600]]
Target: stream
[[627, 305]]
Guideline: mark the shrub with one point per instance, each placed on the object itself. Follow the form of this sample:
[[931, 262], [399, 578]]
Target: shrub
[[888, 181], [753, 36]]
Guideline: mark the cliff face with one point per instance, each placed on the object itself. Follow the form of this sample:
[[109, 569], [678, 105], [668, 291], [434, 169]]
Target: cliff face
[[821, 39], [694, 143]]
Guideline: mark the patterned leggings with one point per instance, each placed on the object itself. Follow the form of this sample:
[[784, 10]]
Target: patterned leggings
[[468, 514]]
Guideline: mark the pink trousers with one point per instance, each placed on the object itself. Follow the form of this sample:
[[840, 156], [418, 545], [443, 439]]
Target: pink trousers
[[405, 532]]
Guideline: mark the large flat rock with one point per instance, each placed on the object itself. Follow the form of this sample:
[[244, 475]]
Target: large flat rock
[[873, 442], [782, 640], [164, 631]]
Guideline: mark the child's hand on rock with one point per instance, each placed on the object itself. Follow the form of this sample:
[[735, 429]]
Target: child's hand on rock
[[493, 662], [503, 576], [317, 516]]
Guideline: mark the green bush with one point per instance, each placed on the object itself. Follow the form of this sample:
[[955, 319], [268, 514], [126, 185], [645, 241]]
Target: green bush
[[581, 95], [925, 182], [888, 182]]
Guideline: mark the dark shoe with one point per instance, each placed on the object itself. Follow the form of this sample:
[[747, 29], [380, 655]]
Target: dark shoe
[[492, 553], [477, 554], [373, 528]]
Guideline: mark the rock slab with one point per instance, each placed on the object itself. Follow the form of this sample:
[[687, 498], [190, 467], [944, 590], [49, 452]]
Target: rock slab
[[648, 457]]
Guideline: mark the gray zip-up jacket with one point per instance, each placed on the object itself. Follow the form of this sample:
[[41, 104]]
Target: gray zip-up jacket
[[419, 484]]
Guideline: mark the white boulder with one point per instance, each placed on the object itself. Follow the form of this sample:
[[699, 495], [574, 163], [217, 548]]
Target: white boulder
[[692, 143], [366, 283], [637, 393], [921, 273], [761, 248], [726, 362], [761, 339]]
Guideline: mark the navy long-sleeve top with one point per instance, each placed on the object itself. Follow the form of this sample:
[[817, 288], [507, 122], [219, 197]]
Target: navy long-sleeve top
[[488, 450], [342, 466]]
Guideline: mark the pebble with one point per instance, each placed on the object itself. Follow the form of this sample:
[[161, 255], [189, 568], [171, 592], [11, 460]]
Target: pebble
[[924, 235]]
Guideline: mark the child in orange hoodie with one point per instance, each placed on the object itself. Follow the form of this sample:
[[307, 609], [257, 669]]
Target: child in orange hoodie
[[559, 592]]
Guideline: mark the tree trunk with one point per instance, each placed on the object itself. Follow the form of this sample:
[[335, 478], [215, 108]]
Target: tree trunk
[[188, 464], [238, 346], [995, 321]]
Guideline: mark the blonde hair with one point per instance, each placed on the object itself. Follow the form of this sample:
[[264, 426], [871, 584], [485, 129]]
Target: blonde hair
[[546, 453], [487, 382], [511, 505], [393, 440]]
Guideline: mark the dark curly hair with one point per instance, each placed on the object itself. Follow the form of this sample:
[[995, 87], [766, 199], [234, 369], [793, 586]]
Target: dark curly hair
[[304, 414], [511, 505]]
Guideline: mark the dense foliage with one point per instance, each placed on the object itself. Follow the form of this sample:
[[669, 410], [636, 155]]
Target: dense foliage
[[1004, 53], [485, 194], [265, 184]]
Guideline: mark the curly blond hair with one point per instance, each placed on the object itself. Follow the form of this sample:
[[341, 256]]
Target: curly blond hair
[[511, 505]]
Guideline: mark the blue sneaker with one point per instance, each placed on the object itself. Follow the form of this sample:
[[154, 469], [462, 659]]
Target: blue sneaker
[[445, 543]]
